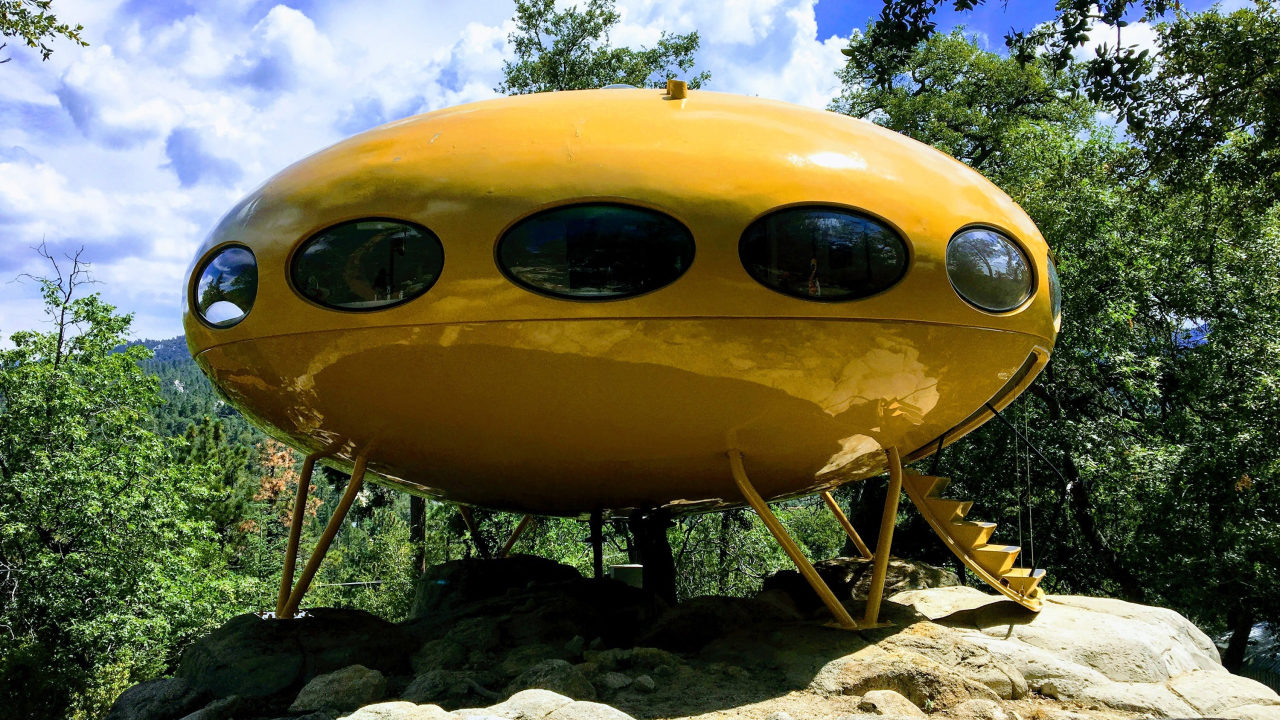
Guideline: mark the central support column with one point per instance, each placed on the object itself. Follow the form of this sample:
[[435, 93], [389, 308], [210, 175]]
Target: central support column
[[597, 542]]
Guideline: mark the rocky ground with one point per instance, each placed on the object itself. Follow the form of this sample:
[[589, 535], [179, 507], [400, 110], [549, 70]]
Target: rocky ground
[[527, 639]]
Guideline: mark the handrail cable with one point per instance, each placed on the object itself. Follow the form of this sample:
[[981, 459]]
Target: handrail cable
[[1033, 447]]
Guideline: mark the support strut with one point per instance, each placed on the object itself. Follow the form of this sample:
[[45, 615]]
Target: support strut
[[880, 561], [473, 529], [515, 535], [295, 532], [848, 526], [326, 538], [789, 546], [880, 566]]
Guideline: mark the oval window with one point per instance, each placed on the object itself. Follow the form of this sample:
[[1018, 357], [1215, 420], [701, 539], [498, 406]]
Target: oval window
[[227, 287], [988, 270], [367, 264], [823, 253], [1055, 290], [595, 252]]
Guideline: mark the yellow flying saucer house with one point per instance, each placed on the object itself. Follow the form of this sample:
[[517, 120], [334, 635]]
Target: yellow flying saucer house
[[624, 299]]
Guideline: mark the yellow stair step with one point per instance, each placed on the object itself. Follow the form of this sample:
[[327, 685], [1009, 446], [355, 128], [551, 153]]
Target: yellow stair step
[[996, 559], [929, 486], [971, 533], [1023, 580], [947, 510]]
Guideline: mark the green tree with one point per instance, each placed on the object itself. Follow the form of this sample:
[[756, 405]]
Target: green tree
[[570, 50], [103, 573], [33, 22], [1112, 77], [1168, 474]]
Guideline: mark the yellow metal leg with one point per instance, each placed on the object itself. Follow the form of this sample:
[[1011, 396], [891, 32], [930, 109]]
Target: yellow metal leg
[[788, 545], [880, 566], [848, 526], [515, 535], [295, 532], [326, 538]]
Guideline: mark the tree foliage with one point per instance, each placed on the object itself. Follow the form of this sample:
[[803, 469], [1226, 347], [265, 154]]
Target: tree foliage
[[99, 551], [1162, 382], [570, 50], [33, 22], [1112, 77]]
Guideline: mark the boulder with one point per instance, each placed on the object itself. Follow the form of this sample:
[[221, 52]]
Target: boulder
[[555, 675], [221, 709], [694, 623], [1211, 693], [345, 689], [399, 710], [1103, 653], [1123, 641], [978, 710], [1038, 666], [644, 683], [161, 699], [450, 586], [614, 681], [523, 657], [438, 654], [952, 649], [922, 681], [533, 704], [582, 710], [1253, 712], [1152, 698], [647, 659], [529, 601], [888, 702], [450, 687], [254, 658], [850, 578]]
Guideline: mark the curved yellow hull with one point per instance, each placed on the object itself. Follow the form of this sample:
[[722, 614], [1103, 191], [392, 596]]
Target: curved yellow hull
[[483, 392]]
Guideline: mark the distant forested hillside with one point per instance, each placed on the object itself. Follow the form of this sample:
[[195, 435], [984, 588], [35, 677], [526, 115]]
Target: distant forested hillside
[[189, 398]]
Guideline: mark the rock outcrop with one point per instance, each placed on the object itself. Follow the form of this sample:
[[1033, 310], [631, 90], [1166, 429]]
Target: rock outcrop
[[1099, 653], [526, 639]]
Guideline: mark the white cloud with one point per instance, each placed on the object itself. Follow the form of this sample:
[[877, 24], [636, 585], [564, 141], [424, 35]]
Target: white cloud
[[135, 145]]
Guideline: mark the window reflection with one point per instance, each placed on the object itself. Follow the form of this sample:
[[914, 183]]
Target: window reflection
[[367, 264], [822, 253], [596, 252], [227, 287], [1055, 290], [988, 270]]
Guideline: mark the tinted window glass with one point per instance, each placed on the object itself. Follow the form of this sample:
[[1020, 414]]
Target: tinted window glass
[[1055, 290], [227, 287], [821, 253], [367, 264], [988, 270], [596, 252]]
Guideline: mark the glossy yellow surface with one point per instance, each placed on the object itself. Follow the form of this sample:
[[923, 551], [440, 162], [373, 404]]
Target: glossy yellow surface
[[484, 393]]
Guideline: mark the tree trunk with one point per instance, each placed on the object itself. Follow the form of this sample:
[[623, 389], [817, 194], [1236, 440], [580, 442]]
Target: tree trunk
[[1082, 510], [1080, 498], [1241, 622], [854, 515]]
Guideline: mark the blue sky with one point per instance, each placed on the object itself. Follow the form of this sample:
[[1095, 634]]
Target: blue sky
[[133, 147], [992, 19]]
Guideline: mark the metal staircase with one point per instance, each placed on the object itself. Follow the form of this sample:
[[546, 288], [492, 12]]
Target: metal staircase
[[968, 539]]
